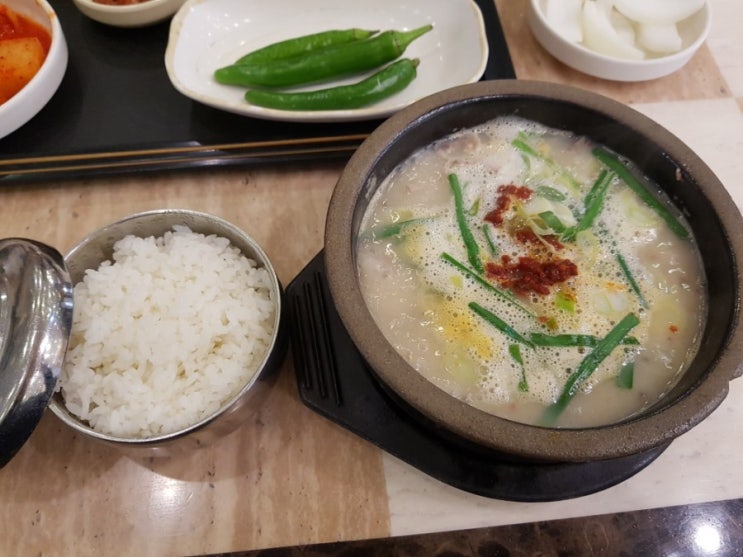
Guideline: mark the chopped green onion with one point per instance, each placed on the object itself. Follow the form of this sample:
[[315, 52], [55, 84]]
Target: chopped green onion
[[564, 302], [551, 220], [392, 229], [626, 377], [569, 340], [631, 279], [527, 149], [524, 147], [515, 351], [474, 208], [482, 282], [499, 324], [487, 231], [589, 364], [549, 193], [473, 250], [593, 203], [611, 160]]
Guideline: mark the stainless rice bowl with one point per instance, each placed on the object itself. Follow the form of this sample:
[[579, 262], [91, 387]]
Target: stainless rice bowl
[[243, 400]]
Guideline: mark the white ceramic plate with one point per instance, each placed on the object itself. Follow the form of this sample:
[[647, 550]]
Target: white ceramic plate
[[208, 34]]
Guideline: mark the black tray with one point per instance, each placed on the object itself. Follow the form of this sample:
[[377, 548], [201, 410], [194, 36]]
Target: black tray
[[117, 112], [335, 381]]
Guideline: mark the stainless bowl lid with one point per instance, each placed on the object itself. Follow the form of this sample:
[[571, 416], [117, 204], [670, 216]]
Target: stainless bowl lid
[[35, 324]]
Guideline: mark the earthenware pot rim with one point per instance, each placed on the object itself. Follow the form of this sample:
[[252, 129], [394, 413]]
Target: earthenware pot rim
[[461, 419]]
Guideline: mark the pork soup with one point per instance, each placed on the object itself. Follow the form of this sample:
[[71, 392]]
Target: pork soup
[[533, 274]]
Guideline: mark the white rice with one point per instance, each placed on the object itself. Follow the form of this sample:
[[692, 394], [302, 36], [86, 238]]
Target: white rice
[[165, 334]]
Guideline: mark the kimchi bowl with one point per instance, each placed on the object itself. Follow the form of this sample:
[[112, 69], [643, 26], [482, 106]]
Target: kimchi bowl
[[39, 66]]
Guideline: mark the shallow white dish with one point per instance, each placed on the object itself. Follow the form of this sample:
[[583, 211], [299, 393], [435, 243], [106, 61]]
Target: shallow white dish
[[693, 31], [25, 104], [208, 34]]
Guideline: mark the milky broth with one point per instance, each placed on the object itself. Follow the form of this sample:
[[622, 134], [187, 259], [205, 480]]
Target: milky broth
[[540, 267]]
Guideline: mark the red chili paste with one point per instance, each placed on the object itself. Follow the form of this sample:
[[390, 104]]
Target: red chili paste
[[527, 236], [537, 271], [530, 275], [503, 202]]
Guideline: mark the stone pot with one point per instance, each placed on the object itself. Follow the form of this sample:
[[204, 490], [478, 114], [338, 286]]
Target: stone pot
[[691, 185]]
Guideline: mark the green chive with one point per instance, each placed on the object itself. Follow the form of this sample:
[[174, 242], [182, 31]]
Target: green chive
[[571, 340], [473, 251], [624, 173], [499, 324], [589, 364], [626, 377], [487, 231], [593, 203], [595, 199], [631, 279]]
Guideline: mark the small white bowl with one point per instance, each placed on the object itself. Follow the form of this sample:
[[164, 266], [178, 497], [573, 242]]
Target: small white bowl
[[693, 31], [24, 105], [143, 13]]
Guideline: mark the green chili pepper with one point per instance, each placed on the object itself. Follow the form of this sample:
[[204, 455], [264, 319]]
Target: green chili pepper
[[384, 83], [473, 250], [320, 65], [589, 364], [613, 162], [499, 324], [304, 44]]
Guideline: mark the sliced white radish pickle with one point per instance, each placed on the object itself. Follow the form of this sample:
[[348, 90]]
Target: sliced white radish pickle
[[623, 26], [600, 35], [564, 17], [658, 12], [663, 39]]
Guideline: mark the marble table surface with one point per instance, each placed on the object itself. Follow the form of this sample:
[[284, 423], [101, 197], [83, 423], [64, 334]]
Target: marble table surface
[[289, 481]]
